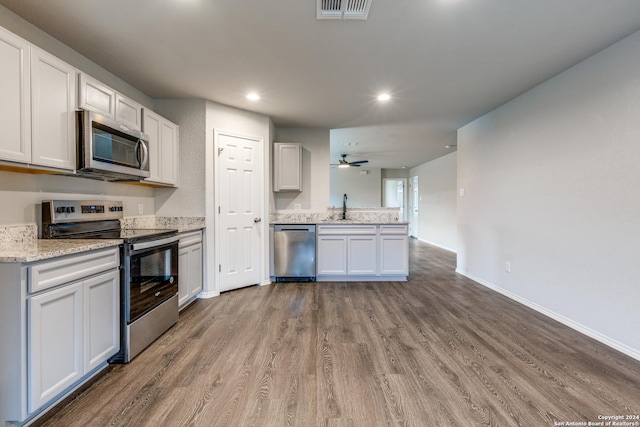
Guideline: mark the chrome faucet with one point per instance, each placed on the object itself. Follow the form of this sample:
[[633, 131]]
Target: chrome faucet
[[344, 206]]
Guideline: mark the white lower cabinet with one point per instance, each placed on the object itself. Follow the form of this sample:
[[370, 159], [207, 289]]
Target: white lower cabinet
[[59, 328], [189, 267], [362, 252], [55, 343], [394, 253], [101, 318], [331, 255]]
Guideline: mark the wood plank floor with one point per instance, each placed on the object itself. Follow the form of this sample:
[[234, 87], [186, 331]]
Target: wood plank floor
[[438, 350]]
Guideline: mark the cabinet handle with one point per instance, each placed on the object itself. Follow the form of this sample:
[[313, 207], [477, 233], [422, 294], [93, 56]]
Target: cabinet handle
[[257, 220]]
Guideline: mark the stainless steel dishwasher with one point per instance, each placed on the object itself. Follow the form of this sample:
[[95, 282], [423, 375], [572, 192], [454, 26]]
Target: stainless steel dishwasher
[[294, 252]]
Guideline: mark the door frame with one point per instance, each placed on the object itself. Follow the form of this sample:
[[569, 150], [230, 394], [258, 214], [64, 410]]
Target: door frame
[[414, 220], [212, 201]]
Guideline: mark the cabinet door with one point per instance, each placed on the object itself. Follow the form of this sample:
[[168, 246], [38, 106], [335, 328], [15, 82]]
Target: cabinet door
[[184, 291], [190, 270], [332, 255], [169, 149], [394, 254], [287, 167], [95, 96], [163, 148], [128, 112], [195, 272], [55, 343], [101, 318], [15, 99], [362, 257], [151, 125]]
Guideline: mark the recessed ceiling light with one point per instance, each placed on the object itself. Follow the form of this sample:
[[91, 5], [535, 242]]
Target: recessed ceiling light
[[253, 96], [384, 97]]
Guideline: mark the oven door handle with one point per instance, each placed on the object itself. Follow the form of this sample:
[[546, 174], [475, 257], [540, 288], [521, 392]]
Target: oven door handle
[[154, 243]]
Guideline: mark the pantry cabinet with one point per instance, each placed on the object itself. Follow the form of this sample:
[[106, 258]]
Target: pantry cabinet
[[163, 148], [37, 106]]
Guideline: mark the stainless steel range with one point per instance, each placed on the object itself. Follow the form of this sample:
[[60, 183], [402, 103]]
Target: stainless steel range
[[148, 266]]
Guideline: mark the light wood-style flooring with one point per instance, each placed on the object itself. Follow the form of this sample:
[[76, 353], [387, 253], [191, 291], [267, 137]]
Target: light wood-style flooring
[[438, 350]]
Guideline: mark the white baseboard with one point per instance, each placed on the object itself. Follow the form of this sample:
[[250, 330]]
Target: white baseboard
[[437, 245], [629, 351], [210, 294]]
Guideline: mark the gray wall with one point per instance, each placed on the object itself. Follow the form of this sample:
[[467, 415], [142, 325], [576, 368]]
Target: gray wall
[[362, 190], [437, 210], [189, 198], [551, 185]]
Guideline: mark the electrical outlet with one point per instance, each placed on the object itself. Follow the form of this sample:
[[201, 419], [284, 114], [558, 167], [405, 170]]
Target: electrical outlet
[[140, 208], [507, 266]]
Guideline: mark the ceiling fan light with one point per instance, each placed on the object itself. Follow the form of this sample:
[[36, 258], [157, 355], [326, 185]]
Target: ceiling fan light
[[344, 165]]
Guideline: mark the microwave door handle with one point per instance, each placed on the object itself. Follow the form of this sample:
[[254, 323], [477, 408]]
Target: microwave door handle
[[145, 156]]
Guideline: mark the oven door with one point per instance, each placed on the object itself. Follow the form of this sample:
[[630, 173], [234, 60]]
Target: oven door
[[153, 275]]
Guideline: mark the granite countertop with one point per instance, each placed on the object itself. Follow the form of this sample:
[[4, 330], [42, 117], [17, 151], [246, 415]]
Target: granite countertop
[[50, 248], [187, 228], [342, 222]]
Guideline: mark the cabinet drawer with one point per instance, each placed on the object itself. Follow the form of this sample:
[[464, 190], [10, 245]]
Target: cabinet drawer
[[190, 238], [347, 229], [48, 274], [393, 229]]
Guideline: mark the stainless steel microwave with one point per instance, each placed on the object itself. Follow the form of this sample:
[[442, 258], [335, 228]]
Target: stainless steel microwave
[[110, 151]]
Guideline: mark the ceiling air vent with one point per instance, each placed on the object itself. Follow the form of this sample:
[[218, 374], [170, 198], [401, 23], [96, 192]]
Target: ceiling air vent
[[343, 9]]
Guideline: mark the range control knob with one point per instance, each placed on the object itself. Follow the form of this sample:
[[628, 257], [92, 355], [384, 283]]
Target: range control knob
[[70, 209], [60, 209]]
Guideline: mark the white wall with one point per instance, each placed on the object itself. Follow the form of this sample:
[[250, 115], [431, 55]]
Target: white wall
[[552, 185], [314, 196], [363, 191], [438, 202], [188, 199]]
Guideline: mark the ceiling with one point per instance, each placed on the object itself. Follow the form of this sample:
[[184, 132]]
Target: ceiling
[[444, 62]]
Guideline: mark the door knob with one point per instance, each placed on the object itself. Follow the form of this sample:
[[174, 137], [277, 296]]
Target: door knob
[[256, 220]]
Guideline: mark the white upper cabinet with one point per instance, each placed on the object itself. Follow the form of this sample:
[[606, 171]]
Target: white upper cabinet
[[287, 166], [15, 99], [53, 105], [163, 148], [96, 96], [37, 104], [128, 112]]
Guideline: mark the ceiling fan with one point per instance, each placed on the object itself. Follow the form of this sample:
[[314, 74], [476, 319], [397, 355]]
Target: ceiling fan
[[343, 163]]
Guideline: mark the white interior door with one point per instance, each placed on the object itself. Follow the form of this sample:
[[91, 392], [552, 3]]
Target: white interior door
[[239, 195]]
